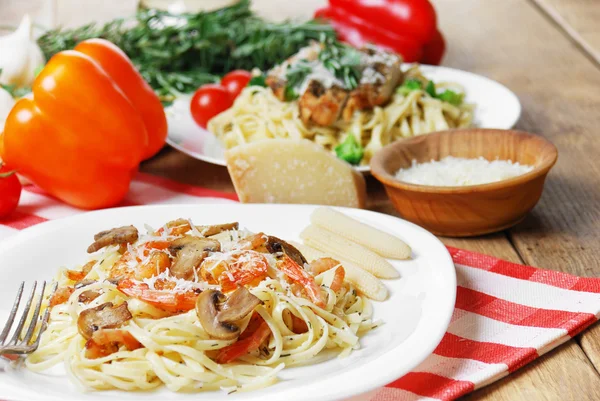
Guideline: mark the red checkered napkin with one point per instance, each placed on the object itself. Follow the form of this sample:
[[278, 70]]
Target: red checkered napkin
[[506, 315]]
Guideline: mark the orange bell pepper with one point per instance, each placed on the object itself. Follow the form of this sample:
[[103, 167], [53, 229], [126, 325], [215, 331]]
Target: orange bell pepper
[[91, 120]]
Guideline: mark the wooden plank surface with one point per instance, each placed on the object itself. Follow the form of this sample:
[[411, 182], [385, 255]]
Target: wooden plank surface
[[580, 19], [513, 42]]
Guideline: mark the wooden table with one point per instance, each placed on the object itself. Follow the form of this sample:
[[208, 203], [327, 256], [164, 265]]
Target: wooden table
[[548, 53]]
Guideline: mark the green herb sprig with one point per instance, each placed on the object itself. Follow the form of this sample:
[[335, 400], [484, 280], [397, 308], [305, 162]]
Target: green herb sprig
[[178, 53], [342, 61]]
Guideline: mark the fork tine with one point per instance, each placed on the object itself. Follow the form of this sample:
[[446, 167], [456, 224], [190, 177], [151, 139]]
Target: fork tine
[[15, 337], [13, 313], [34, 317], [44, 320]]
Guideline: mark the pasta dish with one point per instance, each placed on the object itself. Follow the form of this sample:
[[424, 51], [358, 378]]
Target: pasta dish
[[352, 102], [199, 308]]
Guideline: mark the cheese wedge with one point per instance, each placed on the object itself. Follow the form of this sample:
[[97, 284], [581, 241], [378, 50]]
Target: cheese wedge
[[290, 171]]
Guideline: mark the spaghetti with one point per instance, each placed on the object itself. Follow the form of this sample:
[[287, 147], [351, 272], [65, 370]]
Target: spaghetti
[[257, 114], [299, 311]]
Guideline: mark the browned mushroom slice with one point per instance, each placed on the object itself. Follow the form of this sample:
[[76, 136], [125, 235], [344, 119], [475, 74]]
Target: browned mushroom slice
[[105, 316], [207, 310], [207, 231], [321, 106], [116, 236], [239, 304], [275, 245], [189, 253], [84, 283], [88, 296], [218, 315]]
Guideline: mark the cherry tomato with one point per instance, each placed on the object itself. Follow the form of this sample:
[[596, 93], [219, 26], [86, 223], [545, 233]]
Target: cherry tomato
[[10, 191], [236, 81], [208, 101]]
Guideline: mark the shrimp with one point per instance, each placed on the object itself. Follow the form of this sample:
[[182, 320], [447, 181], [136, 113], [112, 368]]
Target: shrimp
[[254, 242], [61, 295], [321, 265], [242, 268], [166, 299], [157, 263], [105, 342], [298, 275], [75, 275]]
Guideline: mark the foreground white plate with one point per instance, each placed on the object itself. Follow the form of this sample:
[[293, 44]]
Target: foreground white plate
[[416, 315], [496, 107]]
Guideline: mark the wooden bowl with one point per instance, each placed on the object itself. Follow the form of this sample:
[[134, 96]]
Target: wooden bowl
[[467, 210]]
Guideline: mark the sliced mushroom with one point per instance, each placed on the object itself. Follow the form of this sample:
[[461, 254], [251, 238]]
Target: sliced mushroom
[[88, 296], [116, 236], [84, 283], [219, 315], [239, 304], [207, 311], [190, 252], [275, 245], [207, 231], [105, 316]]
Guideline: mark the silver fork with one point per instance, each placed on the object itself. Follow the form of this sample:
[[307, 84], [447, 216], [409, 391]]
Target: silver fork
[[21, 341]]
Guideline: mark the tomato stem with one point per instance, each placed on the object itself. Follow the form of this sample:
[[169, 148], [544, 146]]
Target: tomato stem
[[7, 174]]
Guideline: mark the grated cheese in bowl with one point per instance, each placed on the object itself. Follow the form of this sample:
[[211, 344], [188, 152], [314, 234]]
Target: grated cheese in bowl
[[456, 171]]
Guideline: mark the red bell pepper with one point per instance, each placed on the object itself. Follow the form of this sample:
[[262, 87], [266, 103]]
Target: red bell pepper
[[433, 51], [358, 33], [407, 27]]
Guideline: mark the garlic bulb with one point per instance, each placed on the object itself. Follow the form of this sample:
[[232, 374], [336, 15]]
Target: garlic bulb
[[20, 56], [6, 104]]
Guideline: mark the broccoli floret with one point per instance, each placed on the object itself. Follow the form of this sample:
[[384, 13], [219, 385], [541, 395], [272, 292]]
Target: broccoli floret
[[451, 97], [410, 85], [350, 150]]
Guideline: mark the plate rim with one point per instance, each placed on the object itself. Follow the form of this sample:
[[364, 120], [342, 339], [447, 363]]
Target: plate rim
[[367, 169], [382, 378]]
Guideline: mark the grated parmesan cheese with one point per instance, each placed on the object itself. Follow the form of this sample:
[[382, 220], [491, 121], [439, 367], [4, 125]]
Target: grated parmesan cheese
[[455, 172], [181, 285]]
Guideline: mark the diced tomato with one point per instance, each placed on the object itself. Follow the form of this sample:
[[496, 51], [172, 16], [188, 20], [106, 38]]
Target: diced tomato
[[248, 341], [298, 325]]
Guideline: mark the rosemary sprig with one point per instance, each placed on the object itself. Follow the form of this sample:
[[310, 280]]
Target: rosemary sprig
[[178, 53]]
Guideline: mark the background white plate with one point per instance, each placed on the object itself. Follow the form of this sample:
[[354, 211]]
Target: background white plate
[[496, 107], [416, 315]]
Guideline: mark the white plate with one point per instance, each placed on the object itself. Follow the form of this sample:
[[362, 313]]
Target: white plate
[[496, 107], [416, 315]]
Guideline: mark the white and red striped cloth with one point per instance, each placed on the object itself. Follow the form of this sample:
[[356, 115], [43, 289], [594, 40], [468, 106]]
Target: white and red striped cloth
[[506, 314]]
